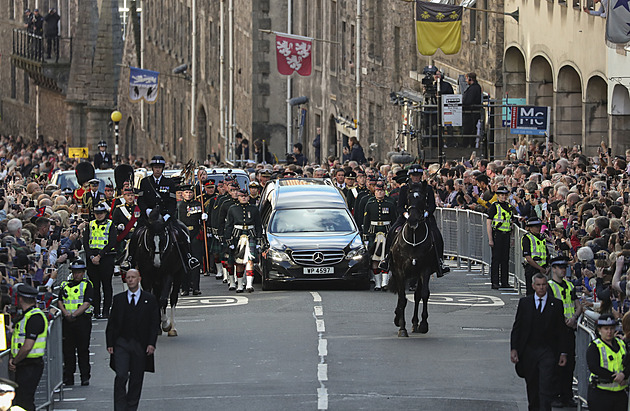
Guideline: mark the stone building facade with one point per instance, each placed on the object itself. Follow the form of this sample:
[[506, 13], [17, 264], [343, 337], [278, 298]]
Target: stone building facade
[[69, 98]]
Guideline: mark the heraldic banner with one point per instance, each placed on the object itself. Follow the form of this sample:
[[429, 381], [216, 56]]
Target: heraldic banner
[[143, 85], [438, 26], [293, 54]]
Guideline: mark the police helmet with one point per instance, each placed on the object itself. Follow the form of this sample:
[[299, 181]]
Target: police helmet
[[157, 161], [102, 143]]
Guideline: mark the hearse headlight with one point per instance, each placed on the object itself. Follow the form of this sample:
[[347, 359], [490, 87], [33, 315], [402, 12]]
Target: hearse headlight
[[356, 253], [278, 256]]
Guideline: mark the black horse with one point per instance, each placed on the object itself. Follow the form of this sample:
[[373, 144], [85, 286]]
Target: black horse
[[160, 263], [413, 258]]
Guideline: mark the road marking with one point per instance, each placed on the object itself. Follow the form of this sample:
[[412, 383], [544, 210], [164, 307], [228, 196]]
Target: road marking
[[322, 372], [463, 299], [319, 310], [322, 347], [321, 327], [322, 398], [212, 302], [316, 297]]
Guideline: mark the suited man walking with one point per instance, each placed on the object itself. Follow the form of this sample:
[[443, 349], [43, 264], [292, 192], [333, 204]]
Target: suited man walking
[[131, 335], [537, 339]]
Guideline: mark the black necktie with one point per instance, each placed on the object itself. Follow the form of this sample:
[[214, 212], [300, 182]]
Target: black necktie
[[540, 305], [133, 298]]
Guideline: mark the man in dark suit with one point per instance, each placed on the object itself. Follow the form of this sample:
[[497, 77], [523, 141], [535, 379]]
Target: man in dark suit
[[131, 335], [102, 159], [537, 339], [471, 102]]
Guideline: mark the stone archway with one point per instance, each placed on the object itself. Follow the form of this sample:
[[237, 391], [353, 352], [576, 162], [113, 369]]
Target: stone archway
[[595, 114], [130, 137], [331, 146], [514, 73], [620, 119], [568, 108], [540, 86], [202, 134]]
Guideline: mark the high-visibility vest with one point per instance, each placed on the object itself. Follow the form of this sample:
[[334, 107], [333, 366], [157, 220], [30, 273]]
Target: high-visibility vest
[[567, 303], [612, 361], [502, 220], [538, 248], [99, 234], [74, 296], [19, 336]]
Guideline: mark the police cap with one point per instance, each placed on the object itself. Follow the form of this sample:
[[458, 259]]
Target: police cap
[[102, 143], [560, 261], [606, 319], [26, 291], [157, 161], [533, 221], [78, 265], [100, 208], [7, 385], [502, 190], [415, 169]]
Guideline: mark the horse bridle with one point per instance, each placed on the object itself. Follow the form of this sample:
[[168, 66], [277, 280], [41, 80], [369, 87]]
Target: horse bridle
[[414, 244], [155, 250]]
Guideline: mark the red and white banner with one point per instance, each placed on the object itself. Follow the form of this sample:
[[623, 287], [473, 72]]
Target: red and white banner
[[294, 54]]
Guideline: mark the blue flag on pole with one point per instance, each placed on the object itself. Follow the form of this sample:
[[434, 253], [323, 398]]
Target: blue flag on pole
[[143, 85], [618, 22]]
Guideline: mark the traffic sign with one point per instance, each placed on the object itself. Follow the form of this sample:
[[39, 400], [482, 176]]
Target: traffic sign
[[530, 120], [78, 152]]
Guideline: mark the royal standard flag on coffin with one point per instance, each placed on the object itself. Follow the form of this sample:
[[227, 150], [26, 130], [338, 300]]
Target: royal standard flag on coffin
[[438, 26]]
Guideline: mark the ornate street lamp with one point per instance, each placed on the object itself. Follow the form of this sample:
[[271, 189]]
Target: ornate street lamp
[[116, 116]]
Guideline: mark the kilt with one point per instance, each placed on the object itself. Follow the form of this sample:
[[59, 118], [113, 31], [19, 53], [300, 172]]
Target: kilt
[[244, 247], [376, 246]]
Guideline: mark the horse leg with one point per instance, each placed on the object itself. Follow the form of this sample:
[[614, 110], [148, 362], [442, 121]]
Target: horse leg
[[416, 304], [174, 298], [164, 295], [424, 325], [399, 320]]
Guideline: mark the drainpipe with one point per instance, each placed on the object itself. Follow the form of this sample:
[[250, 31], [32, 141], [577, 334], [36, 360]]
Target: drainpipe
[[193, 86], [231, 85], [358, 69], [221, 82], [289, 116]]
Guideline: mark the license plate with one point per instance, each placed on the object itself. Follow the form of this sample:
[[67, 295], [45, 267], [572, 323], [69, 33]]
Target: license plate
[[319, 270]]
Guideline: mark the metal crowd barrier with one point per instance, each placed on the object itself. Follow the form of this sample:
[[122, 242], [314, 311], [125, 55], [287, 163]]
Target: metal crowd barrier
[[466, 239], [585, 334], [5, 356], [52, 378]]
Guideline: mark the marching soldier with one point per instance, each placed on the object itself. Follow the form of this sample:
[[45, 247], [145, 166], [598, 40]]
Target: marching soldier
[[221, 216], [362, 199], [125, 218], [564, 291], [213, 213], [159, 192], [209, 197], [499, 228], [191, 213], [243, 230], [99, 240], [102, 159], [380, 213], [75, 303], [28, 345], [534, 248]]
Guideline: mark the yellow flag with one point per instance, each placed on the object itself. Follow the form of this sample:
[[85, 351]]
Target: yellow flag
[[438, 26]]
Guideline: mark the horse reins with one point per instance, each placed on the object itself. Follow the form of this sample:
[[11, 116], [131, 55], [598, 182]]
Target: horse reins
[[414, 244]]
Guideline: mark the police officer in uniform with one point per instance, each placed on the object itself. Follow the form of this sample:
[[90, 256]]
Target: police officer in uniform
[[564, 291], [7, 394], [158, 191], [99, 239], [534, 248], [75, 303], [499, 228], [191, 213], [243, 231], [125, 218], [415, 173], [28, 345], [608, 360], [380, 213], [102, 159]]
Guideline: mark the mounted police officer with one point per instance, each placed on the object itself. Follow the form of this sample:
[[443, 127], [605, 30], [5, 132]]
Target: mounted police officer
[[243, 232], [191, 213], [608, 360], [380, 213], [499, 228], [564, 291], [99, 240], [102, 159], [28, 345], [415, 176], [159, 192], [75, 303], [534, 248]]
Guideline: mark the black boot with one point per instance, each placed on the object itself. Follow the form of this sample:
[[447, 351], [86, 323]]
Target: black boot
[[442, 268], [384, 264]]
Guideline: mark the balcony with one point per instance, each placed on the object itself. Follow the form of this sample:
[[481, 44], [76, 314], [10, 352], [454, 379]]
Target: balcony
[[30, 53]]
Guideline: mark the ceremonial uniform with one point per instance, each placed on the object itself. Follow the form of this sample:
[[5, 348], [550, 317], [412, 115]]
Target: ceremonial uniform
[[378, 217], [99, 239], [223, 237], [353, 194], [243, 230], [606, 359], [534, 246], [76, 329], [103, 160], [158, 193], [190, 213], [216, 247], [359, 207], [500, 218], [92, 198], [125, 218]]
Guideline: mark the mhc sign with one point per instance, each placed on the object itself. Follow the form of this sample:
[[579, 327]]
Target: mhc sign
[[530, 120]]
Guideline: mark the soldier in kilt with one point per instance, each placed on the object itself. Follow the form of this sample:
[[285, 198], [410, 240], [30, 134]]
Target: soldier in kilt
[[380, 213], [215, 247], [223, 236], [243, 227]]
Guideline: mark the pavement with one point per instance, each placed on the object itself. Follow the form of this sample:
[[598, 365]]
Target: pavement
[[325, 348]]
